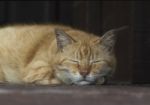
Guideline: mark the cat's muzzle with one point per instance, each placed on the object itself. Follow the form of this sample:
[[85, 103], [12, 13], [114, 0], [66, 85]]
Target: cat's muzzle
[[88, 82]]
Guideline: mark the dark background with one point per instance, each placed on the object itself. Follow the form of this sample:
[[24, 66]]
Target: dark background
[[132, 47]]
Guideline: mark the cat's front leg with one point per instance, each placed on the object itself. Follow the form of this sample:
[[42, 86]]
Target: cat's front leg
[[39, 73], [48, 82], [2, 79]]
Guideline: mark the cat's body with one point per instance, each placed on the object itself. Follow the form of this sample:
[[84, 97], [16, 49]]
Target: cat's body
[[44, 54]]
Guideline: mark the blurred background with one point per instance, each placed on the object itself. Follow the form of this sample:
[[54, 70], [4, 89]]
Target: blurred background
[[133, 44]]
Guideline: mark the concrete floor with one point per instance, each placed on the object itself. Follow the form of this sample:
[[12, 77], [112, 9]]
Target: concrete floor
[[75, 95]]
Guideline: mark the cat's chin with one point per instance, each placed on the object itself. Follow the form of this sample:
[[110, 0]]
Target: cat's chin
[[80, 83], [84, 82]]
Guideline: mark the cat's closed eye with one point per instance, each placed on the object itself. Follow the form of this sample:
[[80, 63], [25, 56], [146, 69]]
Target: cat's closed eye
[[96, 61], [74, 61], [91, 62]]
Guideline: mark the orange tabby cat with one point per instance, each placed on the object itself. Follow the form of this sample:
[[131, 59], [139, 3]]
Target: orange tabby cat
[[54, 54]]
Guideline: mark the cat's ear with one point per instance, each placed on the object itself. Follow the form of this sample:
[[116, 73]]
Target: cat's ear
[[109, 38], [62, 38]]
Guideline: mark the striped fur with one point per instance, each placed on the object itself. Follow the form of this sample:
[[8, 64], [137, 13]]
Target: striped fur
[[29, 54]]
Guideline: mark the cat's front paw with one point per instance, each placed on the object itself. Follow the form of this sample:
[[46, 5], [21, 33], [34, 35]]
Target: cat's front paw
[[55, 82], [100, 81], [43, 82]]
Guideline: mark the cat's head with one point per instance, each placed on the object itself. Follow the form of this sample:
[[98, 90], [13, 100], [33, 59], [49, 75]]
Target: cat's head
[[87, 60]]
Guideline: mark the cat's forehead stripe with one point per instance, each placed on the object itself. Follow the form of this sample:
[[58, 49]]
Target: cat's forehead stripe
[[84, 52]]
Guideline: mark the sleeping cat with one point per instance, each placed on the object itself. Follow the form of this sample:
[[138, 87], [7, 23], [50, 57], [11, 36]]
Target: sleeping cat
[[55, 54]]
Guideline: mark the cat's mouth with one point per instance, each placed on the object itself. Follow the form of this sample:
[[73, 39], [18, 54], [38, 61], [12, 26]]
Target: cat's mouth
[[87, 82], [82, 83]]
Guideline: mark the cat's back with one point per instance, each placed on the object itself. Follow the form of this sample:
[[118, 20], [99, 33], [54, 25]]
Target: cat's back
[[23, 31], [35, 32], [16, 35], [17, 41]]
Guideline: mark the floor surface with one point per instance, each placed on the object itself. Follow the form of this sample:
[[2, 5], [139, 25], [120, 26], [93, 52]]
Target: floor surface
[[75, 95]]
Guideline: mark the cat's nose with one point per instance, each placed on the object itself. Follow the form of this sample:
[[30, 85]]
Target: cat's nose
[[84, 73]]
